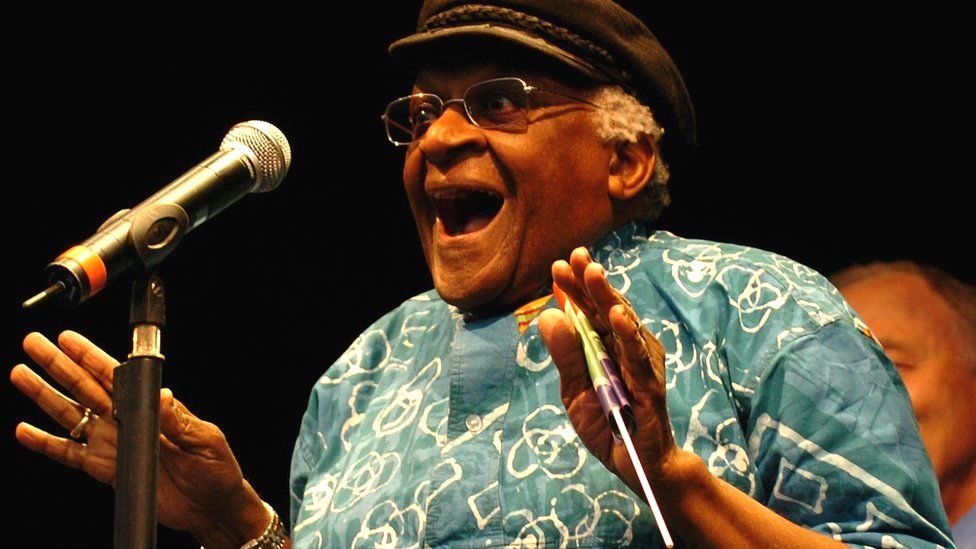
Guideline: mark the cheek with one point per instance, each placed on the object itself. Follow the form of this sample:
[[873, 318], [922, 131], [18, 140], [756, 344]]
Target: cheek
[[570, 209], [936, 408], [412, 169], [562, 150], [413, 182], [566, 181], [915, 385]]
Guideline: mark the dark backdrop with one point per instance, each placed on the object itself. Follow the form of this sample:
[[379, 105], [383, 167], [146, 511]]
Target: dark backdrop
[[826, 136]]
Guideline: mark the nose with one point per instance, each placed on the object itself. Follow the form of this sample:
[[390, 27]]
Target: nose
[[451, 137]]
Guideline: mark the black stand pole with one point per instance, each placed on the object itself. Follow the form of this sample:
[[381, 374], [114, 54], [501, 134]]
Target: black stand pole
[[135, 406]]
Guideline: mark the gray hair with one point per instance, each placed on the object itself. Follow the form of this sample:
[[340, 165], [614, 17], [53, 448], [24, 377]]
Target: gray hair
[[624, 119]]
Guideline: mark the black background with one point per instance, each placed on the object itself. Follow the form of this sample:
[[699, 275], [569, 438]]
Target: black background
[[828, 136]]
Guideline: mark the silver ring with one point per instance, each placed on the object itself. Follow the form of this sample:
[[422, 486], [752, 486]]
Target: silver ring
[[85, 420]]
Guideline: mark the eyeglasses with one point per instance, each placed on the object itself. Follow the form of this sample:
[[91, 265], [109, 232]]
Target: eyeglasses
[[499, 104]]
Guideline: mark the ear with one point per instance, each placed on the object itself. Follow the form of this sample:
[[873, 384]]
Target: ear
[[631, 166]]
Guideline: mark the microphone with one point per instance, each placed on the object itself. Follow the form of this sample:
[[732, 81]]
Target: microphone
[[254, 156]]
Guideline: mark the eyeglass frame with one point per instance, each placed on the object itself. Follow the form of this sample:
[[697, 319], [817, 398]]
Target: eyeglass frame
[[526, 87]]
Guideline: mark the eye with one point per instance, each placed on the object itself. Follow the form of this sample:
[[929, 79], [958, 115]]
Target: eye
[[497, 103], [422, 115], [498, 106], [903, 366]]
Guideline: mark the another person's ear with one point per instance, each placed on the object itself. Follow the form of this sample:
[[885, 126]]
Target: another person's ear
[[631, 166]]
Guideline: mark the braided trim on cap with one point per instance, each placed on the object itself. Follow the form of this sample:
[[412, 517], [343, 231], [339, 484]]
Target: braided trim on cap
[[479, 13]]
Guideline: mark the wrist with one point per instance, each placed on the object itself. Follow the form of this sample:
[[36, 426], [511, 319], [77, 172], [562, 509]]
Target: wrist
[[671, 477], [273, 536], [243, 518], [679, 478]]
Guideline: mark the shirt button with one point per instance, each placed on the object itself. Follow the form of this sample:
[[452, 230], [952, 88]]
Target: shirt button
[[473, 423]]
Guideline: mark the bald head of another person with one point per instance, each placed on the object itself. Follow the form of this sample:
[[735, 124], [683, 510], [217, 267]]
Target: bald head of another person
[[926, 321]]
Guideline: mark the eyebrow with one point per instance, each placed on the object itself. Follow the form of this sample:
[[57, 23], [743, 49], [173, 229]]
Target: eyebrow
[[894, 345], [422, 82]]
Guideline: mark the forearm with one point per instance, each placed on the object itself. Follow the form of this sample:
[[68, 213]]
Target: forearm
[[705, 511]]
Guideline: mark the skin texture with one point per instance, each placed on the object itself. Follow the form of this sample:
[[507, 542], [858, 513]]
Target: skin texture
[[929, 343]]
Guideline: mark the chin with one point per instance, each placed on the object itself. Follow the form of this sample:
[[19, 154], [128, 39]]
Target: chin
[[484, 299], [464, 296]]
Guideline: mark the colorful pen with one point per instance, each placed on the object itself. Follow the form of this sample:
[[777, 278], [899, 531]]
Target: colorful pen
[[612, 395]]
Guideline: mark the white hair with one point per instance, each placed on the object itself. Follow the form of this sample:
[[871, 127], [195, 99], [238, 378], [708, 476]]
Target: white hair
[[622, 118]]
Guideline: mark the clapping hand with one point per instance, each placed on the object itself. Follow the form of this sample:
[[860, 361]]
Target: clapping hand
[[639, 357]]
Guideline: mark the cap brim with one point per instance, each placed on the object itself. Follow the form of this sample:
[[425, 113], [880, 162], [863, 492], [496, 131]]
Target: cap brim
[[418, 50]]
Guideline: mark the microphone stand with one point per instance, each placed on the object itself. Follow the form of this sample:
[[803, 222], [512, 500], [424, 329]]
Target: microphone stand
[[135, 407], [154, 234]]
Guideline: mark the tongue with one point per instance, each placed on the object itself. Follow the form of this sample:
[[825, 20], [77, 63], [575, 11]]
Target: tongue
[[476, 223]]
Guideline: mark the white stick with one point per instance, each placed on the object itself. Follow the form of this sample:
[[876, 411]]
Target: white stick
[[663, 528]]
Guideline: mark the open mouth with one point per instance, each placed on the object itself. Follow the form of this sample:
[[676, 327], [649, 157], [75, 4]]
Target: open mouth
[[463, 211]]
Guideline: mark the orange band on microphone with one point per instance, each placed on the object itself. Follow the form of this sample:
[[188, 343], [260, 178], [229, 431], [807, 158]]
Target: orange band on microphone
[[92, 265]]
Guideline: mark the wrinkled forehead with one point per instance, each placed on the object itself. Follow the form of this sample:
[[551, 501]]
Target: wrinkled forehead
[[456, 71]]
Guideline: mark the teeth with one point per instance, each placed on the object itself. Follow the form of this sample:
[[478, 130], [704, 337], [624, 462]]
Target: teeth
[[457, 194], [463, 210]]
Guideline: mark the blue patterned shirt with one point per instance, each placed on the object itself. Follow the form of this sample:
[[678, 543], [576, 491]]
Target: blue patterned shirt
[[438, 430]]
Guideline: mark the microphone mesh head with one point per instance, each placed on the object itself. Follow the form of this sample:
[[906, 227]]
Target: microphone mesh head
[[269, 147]]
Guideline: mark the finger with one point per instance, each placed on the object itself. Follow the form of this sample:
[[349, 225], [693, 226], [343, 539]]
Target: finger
[[603, 294], [565, 278], [636, 365], [566, 351], [562, 275], [67, 373], [581, 262], [578, 260], [62, 450], [91, 357], [62, 409], [654, 348]]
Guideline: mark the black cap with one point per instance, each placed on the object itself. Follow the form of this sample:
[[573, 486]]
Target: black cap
[[595, 38]]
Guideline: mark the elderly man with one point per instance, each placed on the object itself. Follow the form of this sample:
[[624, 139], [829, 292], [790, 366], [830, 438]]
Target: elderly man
[[466, 418], [926, 320]]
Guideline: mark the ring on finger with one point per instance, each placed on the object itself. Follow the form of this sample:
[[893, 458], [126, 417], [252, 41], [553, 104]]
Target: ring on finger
[[82, 423]]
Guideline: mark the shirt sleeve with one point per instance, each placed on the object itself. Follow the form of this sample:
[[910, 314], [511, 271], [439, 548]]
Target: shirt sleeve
[[303, 459], [837, 447]]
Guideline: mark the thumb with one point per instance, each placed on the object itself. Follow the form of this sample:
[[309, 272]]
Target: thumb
[[566, 350]]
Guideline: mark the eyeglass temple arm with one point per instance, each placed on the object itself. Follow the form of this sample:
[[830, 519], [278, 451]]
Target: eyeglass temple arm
[[533, 89]]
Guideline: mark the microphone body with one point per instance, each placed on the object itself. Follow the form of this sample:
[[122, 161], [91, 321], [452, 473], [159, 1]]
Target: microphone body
[[210, 186], [253, 158]]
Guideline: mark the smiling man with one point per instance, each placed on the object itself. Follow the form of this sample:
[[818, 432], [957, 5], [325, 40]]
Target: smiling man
[[536, 132], [466, 418], [491, 206]]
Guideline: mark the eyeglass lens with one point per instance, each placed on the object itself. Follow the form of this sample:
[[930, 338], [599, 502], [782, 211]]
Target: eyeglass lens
[[499, 104]]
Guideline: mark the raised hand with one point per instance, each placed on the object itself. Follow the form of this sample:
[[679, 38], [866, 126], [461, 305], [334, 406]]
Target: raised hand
[[638, 355], [201, 488]]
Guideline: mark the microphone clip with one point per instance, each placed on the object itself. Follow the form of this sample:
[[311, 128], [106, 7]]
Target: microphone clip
[[156, 231]]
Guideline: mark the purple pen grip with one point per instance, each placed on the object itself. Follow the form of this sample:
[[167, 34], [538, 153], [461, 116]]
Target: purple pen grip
[[607, 396], [608, 399], [618, 386]]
